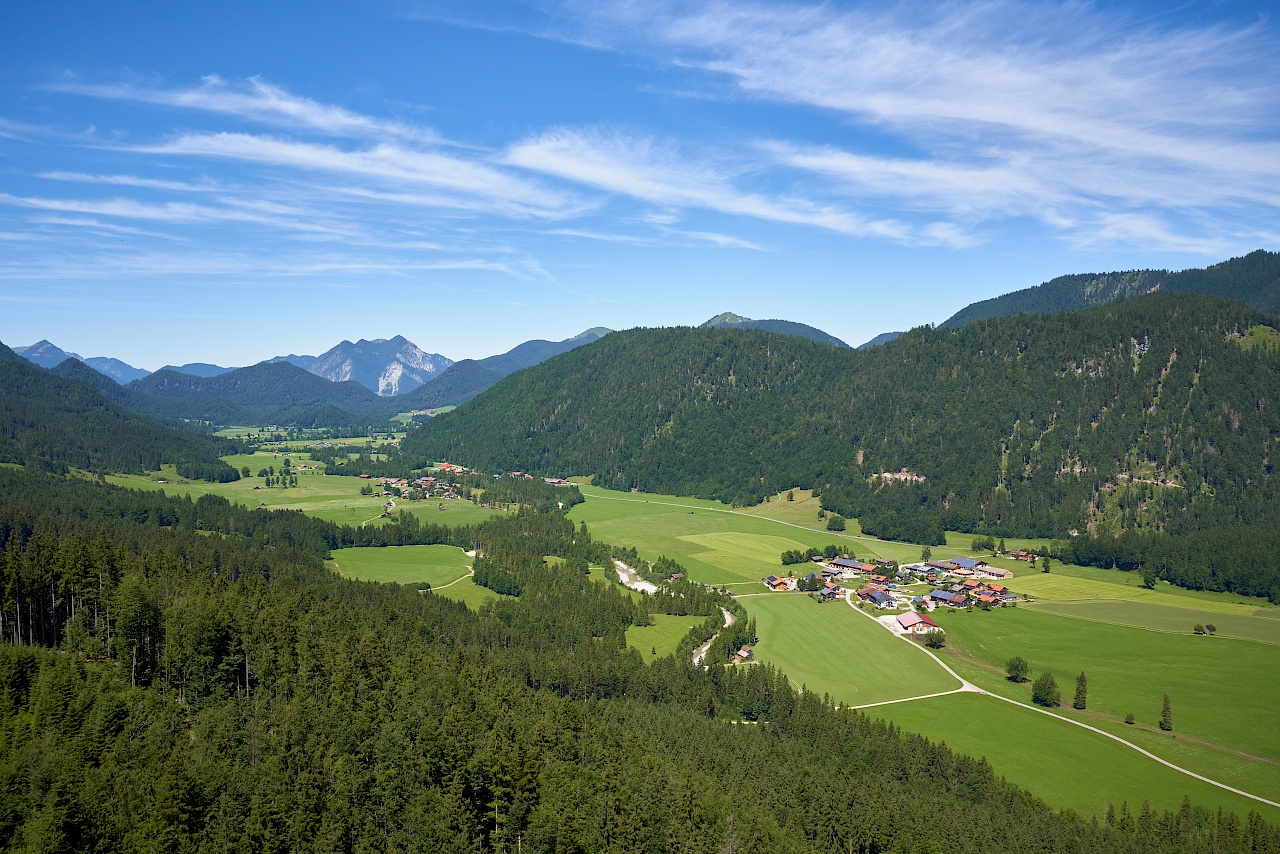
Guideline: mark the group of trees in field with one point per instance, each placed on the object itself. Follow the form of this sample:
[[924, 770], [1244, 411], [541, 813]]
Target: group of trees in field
[[199, 657]]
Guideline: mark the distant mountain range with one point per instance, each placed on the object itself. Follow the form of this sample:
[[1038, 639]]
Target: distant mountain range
[[386, 366], [1253, 279], [47, 355], [729, 320]]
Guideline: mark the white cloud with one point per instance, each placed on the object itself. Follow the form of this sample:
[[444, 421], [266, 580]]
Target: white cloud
[[258, 100], [128, 181], [462, 182], [1060, 112], [644, 169]]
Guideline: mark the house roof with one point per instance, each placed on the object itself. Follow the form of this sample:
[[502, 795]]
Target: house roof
[[968, 562], [909, 619]]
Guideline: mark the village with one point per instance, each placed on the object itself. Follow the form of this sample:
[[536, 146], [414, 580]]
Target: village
[[915, 589]]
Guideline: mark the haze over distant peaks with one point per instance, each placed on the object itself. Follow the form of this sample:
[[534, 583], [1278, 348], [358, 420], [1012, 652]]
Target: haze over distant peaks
[[729, 320], [48, 355], [882, 338], [204, 370]]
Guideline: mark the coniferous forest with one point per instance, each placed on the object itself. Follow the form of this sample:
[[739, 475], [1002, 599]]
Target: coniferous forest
[[1148, 416], [186, 676]]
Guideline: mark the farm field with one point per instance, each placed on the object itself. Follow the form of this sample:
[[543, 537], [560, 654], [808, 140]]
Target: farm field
[[1161, 617], [434, 565], [1058, 762], [469, 593], [335, 499], [716, 544], [831, 649], [1213, 682], [1068, 582]]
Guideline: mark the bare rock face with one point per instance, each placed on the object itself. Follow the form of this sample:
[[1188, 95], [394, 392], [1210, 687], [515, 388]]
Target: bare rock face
[[387, 366]]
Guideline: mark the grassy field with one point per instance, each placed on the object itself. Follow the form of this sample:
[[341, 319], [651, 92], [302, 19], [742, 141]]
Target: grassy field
[[336, 499], [663, 636], [435, 565], [1213, 682], [1066, 766], [1068, 582], [1161, 617], [714, 543], [830, 649]]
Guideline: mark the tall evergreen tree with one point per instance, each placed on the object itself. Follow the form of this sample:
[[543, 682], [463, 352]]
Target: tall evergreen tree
[[1166, 715], [1082, 692]]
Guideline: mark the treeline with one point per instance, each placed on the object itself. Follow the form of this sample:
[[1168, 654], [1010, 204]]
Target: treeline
[[1239, 559], [224, 692]]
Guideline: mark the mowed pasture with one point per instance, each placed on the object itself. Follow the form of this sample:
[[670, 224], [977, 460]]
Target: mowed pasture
[[831, 649], [1213, 683], [434, 565], [1067, 766]]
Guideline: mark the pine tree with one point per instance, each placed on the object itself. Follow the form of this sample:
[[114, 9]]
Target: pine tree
[[1082, 692], [1166, 715]]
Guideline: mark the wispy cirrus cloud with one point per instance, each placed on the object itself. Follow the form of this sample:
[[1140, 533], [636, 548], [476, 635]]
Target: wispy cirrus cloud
[[644, 169], [257, 100], [462, 182], [1067, 113]]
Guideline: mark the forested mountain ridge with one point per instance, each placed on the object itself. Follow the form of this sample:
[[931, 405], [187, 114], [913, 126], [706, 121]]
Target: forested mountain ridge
[[729, 320], [1143, 414], [58, 422], [186, 676], [269, 392], [467, 378], [1253, 279]]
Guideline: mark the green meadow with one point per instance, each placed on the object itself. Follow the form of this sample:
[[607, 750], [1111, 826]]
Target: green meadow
[[1067, 766], [1161, 617], [335, 499], [434, 565], [831, 649], [1212, 682], [662, 638]]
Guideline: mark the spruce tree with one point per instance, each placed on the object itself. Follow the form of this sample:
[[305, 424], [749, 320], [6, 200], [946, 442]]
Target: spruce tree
[[1166, 715], [1082, 692]]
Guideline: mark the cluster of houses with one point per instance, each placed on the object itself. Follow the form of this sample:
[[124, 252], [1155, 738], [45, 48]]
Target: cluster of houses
[[957, 583], [413, 490]]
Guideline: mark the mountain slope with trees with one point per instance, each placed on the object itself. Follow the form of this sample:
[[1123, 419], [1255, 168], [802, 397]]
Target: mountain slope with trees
[[57, 422], [1253, 279], [1145, 415], [266, 393], [729, 320]]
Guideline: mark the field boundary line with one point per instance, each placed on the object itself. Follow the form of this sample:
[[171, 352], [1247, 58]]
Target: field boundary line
[[1133, 746]]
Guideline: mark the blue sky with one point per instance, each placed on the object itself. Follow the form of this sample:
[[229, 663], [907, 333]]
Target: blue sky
[[228, 182]]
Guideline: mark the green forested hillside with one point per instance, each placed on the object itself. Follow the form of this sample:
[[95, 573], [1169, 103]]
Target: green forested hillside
[[1147, 414], [199, 682], [1253, 279], [62, 422], [270, 392]]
